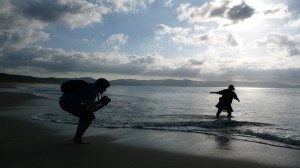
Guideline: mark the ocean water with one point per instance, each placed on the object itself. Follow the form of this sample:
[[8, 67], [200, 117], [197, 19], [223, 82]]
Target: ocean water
[[264, 115]]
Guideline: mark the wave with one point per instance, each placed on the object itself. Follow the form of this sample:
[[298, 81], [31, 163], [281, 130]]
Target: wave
[[258, 132], [50, 92]]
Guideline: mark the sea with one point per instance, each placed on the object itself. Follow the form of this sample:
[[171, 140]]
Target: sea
[[264, 115]]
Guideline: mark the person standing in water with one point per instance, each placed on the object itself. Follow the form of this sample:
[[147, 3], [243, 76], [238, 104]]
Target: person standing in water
[[226, 100]]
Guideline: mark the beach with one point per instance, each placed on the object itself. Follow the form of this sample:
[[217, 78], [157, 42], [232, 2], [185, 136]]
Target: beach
[[31, 143]]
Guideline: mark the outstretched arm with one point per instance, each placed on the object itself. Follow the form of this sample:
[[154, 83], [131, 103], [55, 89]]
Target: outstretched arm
[[214, 93]]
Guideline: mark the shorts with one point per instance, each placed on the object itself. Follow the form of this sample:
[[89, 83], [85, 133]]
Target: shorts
[[78, 110]]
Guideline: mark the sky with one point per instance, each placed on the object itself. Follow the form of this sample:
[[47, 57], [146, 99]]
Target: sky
[[215, 40]]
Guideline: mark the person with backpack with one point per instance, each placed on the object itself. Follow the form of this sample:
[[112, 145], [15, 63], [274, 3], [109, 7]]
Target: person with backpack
[[79, 99], [225, 101]]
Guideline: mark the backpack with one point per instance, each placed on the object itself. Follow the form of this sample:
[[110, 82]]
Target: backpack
[[71, 86]]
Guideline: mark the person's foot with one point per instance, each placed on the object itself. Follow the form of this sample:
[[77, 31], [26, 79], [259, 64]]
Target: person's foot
[[80, 141]]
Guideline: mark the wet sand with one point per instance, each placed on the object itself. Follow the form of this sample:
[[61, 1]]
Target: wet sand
[[30, 143]]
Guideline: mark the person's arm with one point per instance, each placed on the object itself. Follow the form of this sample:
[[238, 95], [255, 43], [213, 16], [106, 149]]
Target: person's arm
[[93, 106], [236, 98], [104, 99], [214, 92]]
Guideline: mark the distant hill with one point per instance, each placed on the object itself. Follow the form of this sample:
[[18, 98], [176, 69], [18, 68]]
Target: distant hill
[[9, 78], [191, 83]]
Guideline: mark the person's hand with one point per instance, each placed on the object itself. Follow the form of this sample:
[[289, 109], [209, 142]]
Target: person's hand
[[105, 100]]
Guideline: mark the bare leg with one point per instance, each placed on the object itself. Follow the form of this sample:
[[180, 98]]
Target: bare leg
[[218, 113], [81, 128], [229, 114]]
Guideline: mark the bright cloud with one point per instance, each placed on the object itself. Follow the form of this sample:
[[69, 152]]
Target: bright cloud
[[282, 43], [180, 35], [294, 23], [277, 11], [219, 11]]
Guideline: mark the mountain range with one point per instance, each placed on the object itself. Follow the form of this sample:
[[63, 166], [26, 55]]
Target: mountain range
[[11, 78]]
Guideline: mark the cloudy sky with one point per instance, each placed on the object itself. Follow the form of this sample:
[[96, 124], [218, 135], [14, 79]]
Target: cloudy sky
[[246, 40]]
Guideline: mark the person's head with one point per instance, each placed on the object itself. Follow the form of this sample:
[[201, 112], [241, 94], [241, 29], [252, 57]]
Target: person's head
[[231, 87], [101, 85]]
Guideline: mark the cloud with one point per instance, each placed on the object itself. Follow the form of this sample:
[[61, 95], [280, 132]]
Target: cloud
[[127, 6], [277, 11], [89, 40], [48, 60], [231, 40], [179, 35], [194, 36], [193, 39], [291, 75], [219, 11], [73, 13], [240, 12], [196, 62], [168, 3], [117, 40], [24, 22], [46, 11], [162, 29], [281, 43], [294, 23], [16, 30], [199, 28]]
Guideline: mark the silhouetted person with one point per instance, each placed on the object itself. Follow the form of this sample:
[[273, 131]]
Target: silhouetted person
[[226, 100], [81, 102]]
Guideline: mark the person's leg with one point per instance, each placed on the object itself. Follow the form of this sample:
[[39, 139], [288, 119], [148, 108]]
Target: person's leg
[[229, 113], [85, 120], [81, 128], [218, 112]]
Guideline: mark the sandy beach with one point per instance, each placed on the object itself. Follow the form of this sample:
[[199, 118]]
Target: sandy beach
[[30, 143]]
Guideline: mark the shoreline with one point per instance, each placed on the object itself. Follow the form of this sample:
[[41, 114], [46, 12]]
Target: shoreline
[[28, 142]]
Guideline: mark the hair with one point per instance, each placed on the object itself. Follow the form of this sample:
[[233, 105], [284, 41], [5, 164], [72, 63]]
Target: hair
[[231, 87], [102, 83]]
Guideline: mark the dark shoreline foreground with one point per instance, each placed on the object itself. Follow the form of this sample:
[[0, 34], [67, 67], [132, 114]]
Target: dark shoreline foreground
[[29, 143]]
